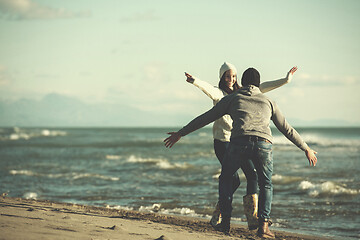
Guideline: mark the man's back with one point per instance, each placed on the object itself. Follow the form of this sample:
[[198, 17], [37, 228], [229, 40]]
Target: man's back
[[251, 112]]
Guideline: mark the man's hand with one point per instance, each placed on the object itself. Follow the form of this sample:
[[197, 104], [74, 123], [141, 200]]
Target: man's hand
[[170, 141], [189, 78], [291, 73], [310, 154]]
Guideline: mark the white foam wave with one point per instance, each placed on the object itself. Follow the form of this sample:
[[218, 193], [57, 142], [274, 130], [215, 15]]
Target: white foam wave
[[154, 208], [26, 134], [160, 162], [118, 207], [73, 176], [203, 134], [318, 140], [17, 136], [113, 157], [240, 173], [175, 211], [22, 172], [326, 188], [216, 176], [181, 211], [92, 175], [133, 159], [280, 179], [52, 133], [30, 195]]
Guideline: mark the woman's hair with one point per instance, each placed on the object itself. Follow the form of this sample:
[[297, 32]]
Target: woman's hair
[[224, 87]]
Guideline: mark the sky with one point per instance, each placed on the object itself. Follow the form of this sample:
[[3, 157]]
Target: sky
[[135, 53]]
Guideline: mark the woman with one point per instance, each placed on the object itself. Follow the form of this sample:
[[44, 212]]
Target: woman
[[222, 132]]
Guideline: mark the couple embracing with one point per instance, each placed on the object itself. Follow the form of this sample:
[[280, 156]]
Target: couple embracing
[[243, 139]]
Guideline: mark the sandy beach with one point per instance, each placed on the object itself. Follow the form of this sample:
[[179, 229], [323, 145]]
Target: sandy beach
[[39, 219]]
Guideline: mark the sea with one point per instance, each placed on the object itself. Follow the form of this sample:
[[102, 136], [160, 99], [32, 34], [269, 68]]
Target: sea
[[130, 168]]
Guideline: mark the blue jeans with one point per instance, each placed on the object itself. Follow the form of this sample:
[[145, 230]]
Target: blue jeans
[[244, 153], [220, 151], [251, 187]]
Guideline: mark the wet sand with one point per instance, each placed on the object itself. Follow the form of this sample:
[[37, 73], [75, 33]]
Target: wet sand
[[38, 219]]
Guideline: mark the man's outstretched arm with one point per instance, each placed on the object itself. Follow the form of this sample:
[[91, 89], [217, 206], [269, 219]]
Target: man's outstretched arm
[[289, 132], [170, 141], [219, 110]]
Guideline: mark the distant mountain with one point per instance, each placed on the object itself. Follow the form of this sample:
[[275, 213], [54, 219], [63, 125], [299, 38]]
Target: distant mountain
[[63, 111], [324, 122]]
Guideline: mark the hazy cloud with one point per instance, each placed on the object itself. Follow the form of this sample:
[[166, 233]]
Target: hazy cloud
[[30, 10], [141, 17], [4, 80], [326, 80], [154, 72]]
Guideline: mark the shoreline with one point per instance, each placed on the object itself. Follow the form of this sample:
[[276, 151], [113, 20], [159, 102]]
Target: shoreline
[[43, 219]]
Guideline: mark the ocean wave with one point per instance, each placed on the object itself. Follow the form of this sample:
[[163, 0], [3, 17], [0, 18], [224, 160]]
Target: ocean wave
[[198, 154], [239, 171], [113, 157], [327, 188], [52, 133], [203, 134], [16, 133], [30, 195], [280, 179], [156, 208], [217, 175], [22, 172], [159, 162], [73, 176], [76, 176], [313, 139], [118, 207]]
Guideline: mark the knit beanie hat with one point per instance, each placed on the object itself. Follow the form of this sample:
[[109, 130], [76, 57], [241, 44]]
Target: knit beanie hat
[[226, 66], [250, 77]]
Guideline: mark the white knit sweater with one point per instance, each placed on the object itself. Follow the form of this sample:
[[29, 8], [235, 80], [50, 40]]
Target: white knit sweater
[[222, 127]]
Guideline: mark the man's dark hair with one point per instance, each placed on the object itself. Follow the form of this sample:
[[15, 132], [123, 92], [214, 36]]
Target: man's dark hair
[[251, 76]]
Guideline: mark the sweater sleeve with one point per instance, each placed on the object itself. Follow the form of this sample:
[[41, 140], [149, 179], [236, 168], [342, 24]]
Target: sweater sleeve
[[286, 129], [211, 91], [219, 110], [271, 85]]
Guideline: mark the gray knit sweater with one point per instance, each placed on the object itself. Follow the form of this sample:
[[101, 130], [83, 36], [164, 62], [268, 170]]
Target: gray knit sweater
[[251, 112]]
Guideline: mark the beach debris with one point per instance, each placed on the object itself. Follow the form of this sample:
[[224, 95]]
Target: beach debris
[[162, 237], [111, 228], [4, 194], [30, 209]]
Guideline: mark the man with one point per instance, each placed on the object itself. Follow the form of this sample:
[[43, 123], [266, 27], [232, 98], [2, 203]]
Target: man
[[251, 141]]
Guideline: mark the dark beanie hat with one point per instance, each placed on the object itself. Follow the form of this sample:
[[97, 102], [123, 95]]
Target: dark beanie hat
[[250, 77]]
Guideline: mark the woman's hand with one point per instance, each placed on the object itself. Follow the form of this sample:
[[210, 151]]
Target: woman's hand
[[189, 78], [310, 154], [290, 74]]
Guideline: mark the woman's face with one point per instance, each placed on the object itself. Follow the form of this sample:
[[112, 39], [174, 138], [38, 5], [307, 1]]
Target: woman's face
[[230, 78]]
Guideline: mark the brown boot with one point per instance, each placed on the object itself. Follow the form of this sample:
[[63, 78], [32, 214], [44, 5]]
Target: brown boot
[[250, 210], [224, 226], [216, 216], [263, 230]]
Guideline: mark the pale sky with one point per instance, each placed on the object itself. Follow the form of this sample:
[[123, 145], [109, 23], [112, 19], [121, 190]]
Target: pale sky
[[136, 52]]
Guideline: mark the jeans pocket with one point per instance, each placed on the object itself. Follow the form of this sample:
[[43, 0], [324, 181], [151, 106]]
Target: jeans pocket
[[264, 152]]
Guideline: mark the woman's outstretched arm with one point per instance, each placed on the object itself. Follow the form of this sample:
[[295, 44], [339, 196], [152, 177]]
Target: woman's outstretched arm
[[212, 92], [271, 85]]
